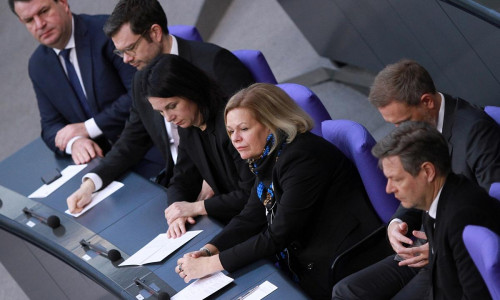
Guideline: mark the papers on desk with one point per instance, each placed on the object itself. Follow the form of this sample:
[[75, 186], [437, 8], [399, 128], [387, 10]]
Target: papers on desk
[[259, 292], [159, 248], [203, 287], [67, 174], [99, 196]]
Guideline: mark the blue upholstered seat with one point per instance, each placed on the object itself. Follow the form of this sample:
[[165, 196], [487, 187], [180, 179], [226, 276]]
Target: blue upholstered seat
[[484, 248], [356, 143], [257, 64], [186, 32], [309, 102]]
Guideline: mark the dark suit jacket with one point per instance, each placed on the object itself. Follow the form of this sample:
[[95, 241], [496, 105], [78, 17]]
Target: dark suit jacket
[[454, 275], [146, 127], [474, 146], [322, 210], [106, 78], [218, 163]]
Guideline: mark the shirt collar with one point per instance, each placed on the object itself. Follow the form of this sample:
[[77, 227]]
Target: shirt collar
[[175, 48], [71, 42], [433, 209], [440, 120]]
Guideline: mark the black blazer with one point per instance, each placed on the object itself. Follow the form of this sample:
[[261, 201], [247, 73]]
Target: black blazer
[[146, 127], [322, 210], [106, 78], [220, 166], [454, 275], [474, 146]]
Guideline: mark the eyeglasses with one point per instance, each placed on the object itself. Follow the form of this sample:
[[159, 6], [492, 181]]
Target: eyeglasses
[[130, 50]]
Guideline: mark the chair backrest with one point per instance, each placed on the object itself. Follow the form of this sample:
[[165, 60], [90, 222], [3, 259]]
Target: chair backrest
[[495, 190], [309, 102], [493, 112], [186, 32], [354, 140], [257, 64], [484, 248]]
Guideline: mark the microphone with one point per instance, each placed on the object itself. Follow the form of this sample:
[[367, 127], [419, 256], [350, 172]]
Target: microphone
[[159, 295], [52, 221], [112, 255]]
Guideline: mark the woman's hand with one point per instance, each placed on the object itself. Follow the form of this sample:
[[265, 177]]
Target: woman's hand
[[178, 227], [184, 209], [194, 265]]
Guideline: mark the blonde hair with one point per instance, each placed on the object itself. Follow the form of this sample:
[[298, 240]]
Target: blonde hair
[[273, 108]]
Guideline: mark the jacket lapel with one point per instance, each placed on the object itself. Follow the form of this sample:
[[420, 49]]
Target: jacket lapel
[[84, 54], [450, 105]]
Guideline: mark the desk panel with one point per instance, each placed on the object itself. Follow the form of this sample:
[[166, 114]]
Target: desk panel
[[126, 221]]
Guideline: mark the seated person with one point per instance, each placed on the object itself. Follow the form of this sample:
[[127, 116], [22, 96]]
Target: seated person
[[401, 92], [415, 160], [82, 88], [139, 30], [187, 97], [307, 205]]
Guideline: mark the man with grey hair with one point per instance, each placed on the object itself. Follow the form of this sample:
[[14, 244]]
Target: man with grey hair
[[401, 92], [415, 160]]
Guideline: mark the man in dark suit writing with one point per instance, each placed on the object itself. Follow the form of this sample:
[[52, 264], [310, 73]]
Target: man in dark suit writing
[[415, 160], [140, 33], [82, 88], [405, 91]]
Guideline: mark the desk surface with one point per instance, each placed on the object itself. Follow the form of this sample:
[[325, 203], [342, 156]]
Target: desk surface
[[126, 221]]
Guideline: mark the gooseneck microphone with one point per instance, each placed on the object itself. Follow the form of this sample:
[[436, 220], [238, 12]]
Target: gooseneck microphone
[[51, 221], [159, 295], [112, 255]]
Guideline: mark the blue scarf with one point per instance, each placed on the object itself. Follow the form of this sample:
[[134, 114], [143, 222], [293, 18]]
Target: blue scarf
[[262, 167]]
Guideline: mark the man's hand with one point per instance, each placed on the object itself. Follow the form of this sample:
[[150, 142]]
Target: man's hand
[[81, 197], [68, 132], [84, 150], [418, 256], [396, 233]]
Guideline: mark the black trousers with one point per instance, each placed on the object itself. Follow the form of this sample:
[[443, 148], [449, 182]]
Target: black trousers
[[385, 280]]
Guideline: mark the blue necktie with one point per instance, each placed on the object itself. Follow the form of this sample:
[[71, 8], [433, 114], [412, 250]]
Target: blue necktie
[[75, 82]]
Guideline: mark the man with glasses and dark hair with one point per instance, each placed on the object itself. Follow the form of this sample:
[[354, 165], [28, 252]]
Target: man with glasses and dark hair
[[139, 31], [83, 90]]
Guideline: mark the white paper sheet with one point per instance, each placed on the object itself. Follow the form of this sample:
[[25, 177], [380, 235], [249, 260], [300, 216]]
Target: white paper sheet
[[67, 174], [159, 248], [203, 287], [98, 197], [259, 292]]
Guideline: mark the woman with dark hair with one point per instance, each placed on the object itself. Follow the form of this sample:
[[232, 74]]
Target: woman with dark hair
[[308, 203], [188, 98]]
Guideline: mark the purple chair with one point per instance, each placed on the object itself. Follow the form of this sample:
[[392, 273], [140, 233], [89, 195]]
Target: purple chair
[[257, 64], [309, 102], [495, 190], [186, 32], [484, 248], [356, 143], [493, 112]]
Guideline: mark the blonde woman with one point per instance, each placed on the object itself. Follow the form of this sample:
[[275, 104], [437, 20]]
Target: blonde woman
[[307, 204]]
